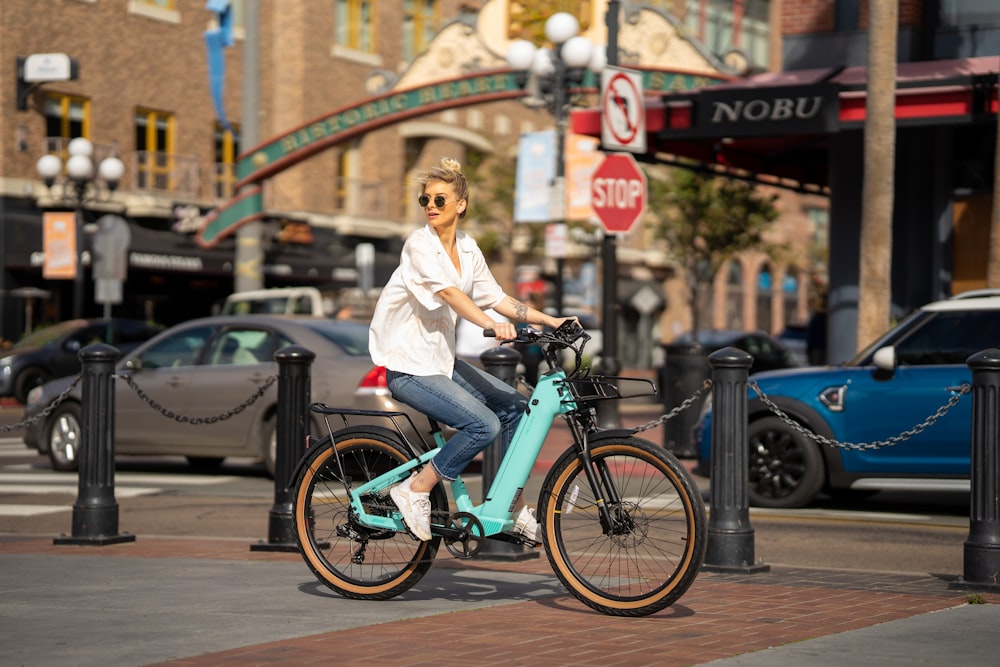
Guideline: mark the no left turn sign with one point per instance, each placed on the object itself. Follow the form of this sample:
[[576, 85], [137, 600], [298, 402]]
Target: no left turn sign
[[623, 116]]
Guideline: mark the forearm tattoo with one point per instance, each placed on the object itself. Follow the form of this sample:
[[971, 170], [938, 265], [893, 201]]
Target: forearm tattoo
[[520, 310]]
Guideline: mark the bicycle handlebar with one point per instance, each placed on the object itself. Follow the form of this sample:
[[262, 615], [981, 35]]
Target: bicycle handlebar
[[568, 335]]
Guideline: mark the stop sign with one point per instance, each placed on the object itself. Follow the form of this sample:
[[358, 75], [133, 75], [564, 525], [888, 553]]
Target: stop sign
[[618, 192]]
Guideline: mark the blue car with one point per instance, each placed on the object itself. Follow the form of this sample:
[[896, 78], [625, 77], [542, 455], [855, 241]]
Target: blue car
[[894, 385]]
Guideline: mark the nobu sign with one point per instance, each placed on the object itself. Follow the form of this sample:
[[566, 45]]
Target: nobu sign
[[761, 111]]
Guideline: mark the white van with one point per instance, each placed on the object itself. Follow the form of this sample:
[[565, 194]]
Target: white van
[[277, 301]]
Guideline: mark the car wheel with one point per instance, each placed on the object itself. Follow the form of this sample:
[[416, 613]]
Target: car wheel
[[271, 446], [786, 468], [62, 436], [27, 380]]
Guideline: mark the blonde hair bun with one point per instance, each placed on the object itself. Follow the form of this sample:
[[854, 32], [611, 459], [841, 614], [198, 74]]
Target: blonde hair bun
[[451, 165]]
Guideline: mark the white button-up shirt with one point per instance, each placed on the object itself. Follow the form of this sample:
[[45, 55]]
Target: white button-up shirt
[[413, 329]]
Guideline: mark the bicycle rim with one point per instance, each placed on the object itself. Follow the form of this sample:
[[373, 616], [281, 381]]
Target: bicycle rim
[[651, 556], [355, 561]]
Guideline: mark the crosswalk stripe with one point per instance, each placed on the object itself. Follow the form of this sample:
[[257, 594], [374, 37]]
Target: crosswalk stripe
[[120, 478], [32, 510], [40, 489]]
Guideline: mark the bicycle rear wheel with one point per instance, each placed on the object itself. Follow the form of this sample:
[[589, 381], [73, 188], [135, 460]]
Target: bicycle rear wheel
[[356, 561], [650, 554]]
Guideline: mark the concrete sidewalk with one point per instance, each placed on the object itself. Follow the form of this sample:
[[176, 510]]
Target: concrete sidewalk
[[200, 602]]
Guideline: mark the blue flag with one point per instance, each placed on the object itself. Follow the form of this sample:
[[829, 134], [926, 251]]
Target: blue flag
[[216, 40]]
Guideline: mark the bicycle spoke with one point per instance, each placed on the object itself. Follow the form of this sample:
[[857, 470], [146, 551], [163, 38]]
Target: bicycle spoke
[[644, 559]]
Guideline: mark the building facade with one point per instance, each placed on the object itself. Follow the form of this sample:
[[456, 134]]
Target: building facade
[[143, 93]]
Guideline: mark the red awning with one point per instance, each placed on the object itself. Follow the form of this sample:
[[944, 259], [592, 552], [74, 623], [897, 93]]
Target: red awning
[[943, 92]]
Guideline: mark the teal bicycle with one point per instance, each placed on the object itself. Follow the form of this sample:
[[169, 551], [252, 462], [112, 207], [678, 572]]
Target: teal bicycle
[[621, 521]]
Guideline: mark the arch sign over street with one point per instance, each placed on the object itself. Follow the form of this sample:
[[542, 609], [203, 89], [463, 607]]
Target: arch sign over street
[[618, 192]]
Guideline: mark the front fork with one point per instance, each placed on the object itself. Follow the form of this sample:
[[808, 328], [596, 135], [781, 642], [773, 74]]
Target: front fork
[[606, 494]]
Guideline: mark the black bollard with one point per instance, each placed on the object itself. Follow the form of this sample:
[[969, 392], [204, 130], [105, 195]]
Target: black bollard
[[95, 512], [294, 391], [500, 362], [730, 536], [981, 562]]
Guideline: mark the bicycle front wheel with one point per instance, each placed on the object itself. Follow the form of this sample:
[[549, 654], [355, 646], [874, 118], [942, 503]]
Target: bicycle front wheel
[[650, 553], [356, 561]]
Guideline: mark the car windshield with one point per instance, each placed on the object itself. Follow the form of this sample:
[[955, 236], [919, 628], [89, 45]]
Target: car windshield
[[352, 337], [863, 358], [45, 336]]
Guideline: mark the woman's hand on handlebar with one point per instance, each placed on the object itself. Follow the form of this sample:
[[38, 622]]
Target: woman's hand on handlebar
[[504, 331]]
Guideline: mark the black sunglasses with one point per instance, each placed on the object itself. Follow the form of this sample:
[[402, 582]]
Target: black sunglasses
[[439, 201]]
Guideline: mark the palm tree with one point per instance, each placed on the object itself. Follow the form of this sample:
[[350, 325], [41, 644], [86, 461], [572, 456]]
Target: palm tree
[[993, 263], [874, 284]]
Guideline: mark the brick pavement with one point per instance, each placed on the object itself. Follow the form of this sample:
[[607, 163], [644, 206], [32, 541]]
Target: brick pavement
[[722, 615]]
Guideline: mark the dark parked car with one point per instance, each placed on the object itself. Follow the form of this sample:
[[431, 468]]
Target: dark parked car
[[52, 352], [768, 352], [204, 368], [895, 384]]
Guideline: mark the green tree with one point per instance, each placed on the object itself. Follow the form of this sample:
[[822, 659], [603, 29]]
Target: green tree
[[705, 220]]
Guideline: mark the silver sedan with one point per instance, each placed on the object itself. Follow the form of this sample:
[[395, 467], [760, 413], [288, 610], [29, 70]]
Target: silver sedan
[[204, 368]]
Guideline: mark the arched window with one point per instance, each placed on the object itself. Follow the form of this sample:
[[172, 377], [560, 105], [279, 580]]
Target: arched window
[[734, 295], [765, 292]]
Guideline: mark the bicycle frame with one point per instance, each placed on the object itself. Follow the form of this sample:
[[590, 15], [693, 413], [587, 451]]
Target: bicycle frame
[[549, 399]]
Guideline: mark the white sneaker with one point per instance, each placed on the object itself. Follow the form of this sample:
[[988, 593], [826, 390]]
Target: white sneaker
[[526, 524], [415, 508]]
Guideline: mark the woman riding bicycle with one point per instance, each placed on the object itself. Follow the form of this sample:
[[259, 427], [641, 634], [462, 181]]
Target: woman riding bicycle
[[443, 275]]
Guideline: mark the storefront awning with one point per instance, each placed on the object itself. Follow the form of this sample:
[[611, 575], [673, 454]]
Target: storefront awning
[[778, 126]]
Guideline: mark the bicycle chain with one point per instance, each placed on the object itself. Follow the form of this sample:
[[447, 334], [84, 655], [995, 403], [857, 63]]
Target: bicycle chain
[[861, 446], [184, 419], [49, 409]]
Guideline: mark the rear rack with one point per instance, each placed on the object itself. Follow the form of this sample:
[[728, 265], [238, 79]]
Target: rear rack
[[389, 415], [608, 387]]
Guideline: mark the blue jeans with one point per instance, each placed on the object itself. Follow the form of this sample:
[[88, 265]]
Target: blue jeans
[[473, 402]]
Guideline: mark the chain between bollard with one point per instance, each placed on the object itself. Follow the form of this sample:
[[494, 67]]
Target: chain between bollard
[[952, 401], [184, 419], [44, 413], [678, 410]]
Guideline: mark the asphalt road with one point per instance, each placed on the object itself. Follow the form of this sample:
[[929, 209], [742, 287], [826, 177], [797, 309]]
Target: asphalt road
[[156, 497]]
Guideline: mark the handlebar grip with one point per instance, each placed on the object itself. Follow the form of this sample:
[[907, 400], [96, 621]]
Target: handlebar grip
[[489, 333]]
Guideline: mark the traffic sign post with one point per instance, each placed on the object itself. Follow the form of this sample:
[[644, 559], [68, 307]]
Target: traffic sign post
[[618, 192], [623, 114]]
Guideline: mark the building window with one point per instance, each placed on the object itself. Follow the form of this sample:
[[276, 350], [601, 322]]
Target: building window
[[958, 13], [723, 25], [755, 32], [343, 169], [420, 21], [66, 117], [356, 25], [227, 147], [846, 15], [161, 10], [154, 139]]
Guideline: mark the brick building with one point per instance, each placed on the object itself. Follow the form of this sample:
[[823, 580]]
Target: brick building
[[143, 93]]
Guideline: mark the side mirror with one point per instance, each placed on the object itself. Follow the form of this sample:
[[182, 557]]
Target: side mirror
[[133, 364], [885, 358]]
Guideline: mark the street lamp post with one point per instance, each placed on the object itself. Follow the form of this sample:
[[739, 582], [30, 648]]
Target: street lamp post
[[550, 73], [83, 184]]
